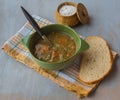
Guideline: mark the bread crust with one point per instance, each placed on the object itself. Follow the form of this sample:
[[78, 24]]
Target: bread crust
[[111, 62]]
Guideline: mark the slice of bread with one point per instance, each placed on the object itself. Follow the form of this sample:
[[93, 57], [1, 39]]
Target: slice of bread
[[96, 62]]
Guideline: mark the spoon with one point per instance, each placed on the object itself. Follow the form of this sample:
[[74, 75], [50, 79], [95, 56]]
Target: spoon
[[35, 25]]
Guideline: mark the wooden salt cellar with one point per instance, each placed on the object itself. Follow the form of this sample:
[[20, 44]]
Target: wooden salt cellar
[[81, 15]]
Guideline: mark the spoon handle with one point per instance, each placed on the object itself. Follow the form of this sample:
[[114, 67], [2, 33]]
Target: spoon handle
[[32, 21], [35, 26]]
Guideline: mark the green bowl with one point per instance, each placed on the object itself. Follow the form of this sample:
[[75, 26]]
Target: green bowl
[[30, 41]]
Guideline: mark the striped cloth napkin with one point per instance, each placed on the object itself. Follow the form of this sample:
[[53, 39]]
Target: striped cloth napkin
[[67, 78]]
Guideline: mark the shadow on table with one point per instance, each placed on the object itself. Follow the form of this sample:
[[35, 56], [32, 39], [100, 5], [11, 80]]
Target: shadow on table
[[87, 24]]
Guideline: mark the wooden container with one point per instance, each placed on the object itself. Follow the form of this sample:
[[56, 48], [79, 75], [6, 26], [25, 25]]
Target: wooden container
[[81, 15]]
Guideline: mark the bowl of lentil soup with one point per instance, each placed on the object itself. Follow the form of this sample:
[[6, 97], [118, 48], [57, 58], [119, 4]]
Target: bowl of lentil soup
[[66, 45]]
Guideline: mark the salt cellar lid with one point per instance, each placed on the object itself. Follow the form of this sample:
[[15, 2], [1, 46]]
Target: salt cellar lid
[[82, 13]]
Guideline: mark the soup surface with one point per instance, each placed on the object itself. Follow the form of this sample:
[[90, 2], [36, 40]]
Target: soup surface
[[63, 47]]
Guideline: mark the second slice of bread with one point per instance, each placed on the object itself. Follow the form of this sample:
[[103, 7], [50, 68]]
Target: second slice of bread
[[96, 62]]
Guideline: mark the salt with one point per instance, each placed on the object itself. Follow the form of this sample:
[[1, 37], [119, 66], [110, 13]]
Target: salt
[[67, 10]]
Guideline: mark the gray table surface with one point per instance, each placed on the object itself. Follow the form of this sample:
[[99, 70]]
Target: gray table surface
[[17, 82]]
